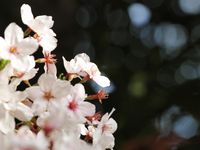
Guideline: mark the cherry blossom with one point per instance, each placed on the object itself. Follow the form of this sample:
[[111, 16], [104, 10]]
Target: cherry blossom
[[82, 66], [54, 113], [103, 136], [41, 25], [15, 44], [48, 93], [16, 48], [74, 105]]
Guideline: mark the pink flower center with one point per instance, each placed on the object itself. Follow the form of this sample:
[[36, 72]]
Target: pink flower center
[[73, 105], [48, 95], [13, 50]]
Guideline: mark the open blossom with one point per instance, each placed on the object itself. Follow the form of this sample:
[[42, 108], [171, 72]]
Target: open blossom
[[75, 107], [82, 66], [16, 48], [15, 44], [48, 93], [41, 25]]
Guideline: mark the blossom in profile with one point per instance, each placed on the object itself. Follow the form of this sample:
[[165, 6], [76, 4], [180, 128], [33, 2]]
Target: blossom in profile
[[41, 25], [103, 136], [81, 66]]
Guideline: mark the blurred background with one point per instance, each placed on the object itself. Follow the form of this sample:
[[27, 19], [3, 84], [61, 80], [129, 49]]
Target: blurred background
[[150, 50]]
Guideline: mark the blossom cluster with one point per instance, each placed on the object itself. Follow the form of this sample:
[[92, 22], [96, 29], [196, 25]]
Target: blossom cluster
[[55, 113]]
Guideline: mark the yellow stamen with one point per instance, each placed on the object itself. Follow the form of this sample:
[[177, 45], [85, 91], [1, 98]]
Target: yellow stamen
[[13, 50]]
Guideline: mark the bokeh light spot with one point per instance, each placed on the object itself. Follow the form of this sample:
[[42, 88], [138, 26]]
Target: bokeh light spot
[[139, 14], [190, 6]]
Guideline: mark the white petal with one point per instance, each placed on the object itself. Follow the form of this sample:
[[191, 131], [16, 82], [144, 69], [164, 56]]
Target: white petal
[[5, 94], [107, 141], [29, 75], [71, 66], [22, 112], [26, 14], [42, 142], [34, 92], [48, 43], [15, 82], [4, 49], [27, 46], [5, 74], [92, 69], [79, 91], [83, 129], [7, 122], [112, 126], [23, 64], [24, 131], [13, 34], [51, 69], [66, 64], [82, 56], [86, 109], [102, 81], [46, 20], [46, 81], [39, 106], [61, 89]]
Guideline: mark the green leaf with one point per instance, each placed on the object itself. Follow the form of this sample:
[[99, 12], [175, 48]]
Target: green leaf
[[3, 63]]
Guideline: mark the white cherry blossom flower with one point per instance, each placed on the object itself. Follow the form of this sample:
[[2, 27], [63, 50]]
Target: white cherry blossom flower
[[15, 46], [48, 93], [103, 136], [74, 105], [82, 66], [107, 125], [17, 49], [41, 25]]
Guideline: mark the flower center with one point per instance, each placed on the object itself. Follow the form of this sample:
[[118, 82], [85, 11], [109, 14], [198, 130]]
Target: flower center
[[37, 37], [73, 105], [48, 95], [13, 50]]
